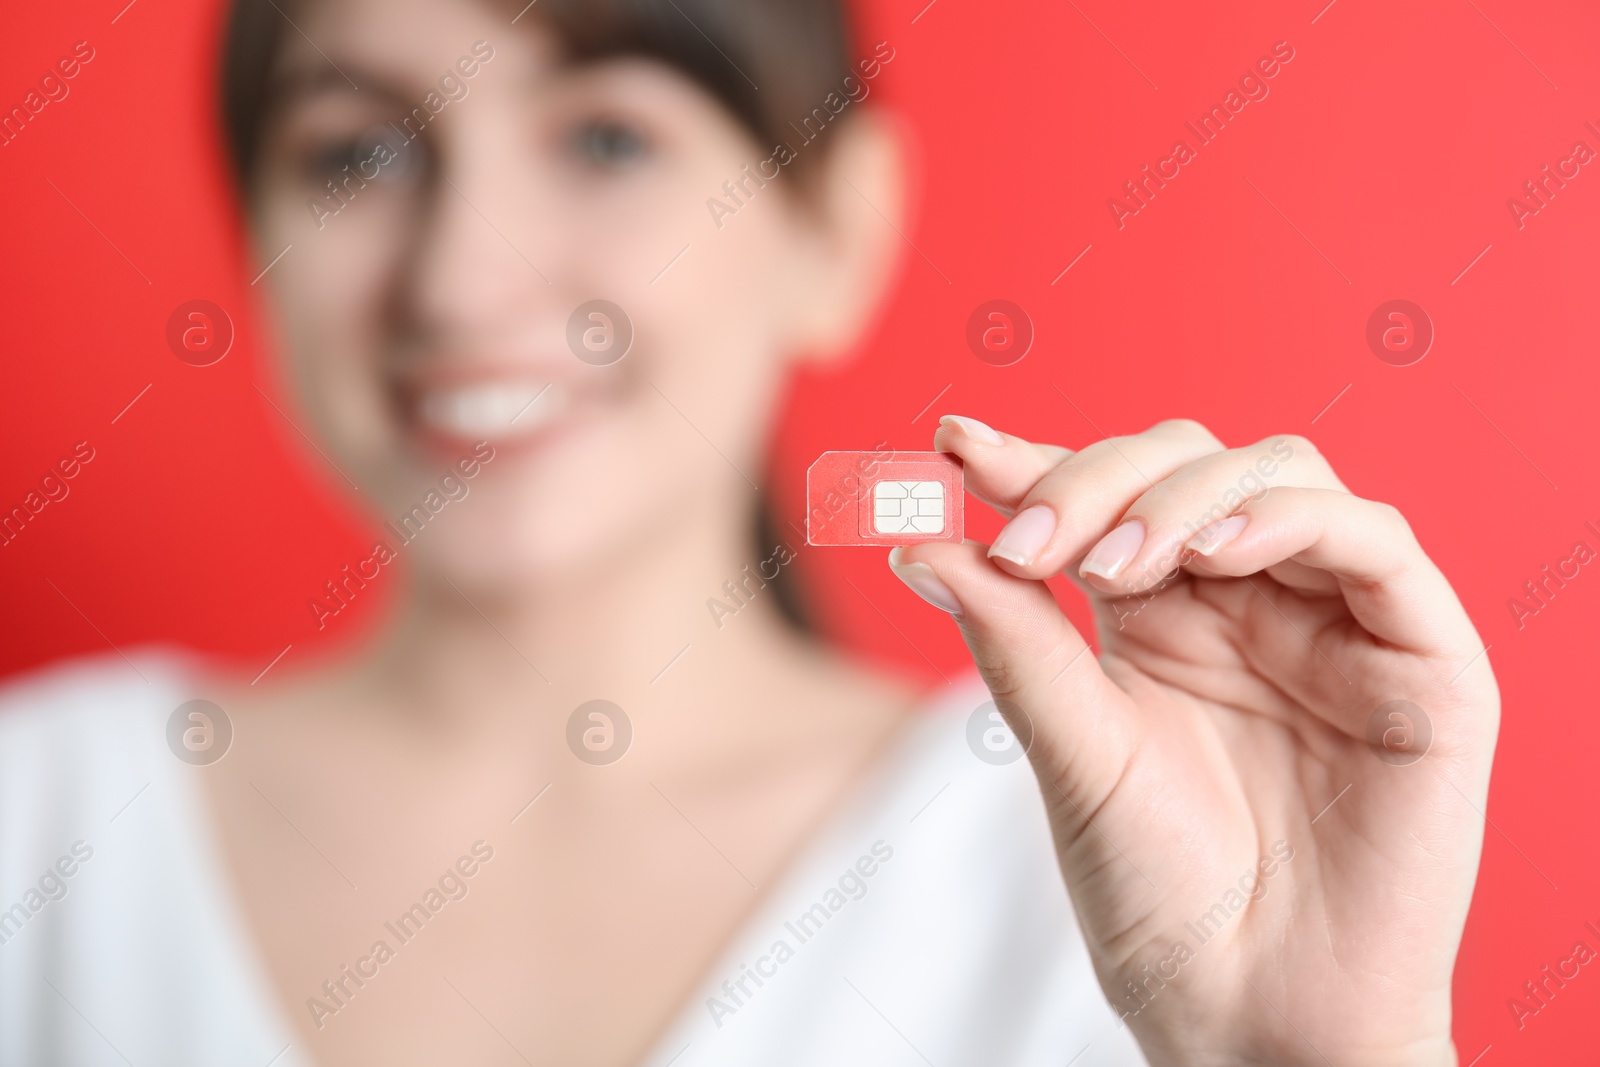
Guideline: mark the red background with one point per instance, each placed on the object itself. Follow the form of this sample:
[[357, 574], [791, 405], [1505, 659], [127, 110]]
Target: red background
[[1392, 141]]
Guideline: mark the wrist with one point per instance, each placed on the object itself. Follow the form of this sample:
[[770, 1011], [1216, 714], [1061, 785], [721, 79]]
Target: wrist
[[1166, 1052]]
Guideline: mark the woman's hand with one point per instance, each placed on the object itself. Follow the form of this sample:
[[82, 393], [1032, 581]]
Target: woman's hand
[[1258, 881]]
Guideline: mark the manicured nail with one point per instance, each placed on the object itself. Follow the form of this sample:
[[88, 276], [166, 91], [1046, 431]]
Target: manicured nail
[[921, 580], [1115, 550], [1025, 536], [973, 428], [1213, 537]]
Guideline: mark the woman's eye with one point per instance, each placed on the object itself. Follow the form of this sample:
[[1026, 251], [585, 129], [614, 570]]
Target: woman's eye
[[373, 158], [609, 144], [331, 158]]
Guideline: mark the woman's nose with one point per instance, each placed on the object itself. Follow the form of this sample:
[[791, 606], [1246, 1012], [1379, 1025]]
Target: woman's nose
[[489, 239]]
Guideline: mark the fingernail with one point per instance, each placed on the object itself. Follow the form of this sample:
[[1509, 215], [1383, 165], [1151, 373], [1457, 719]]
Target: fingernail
[[921, 580], [1025, 536], [1115, 550], [1213, 537], [974, 429]]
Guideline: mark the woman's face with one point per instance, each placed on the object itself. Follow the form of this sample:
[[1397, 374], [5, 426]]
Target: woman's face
[[428, 296]]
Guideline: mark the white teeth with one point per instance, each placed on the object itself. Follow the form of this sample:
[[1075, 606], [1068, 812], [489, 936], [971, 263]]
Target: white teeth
[[492, 410]]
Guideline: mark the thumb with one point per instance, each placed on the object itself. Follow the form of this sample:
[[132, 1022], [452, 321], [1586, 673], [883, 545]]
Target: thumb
[[1078, 726]]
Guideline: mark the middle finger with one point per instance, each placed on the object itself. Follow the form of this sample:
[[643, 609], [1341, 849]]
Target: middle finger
[[1075, 502]]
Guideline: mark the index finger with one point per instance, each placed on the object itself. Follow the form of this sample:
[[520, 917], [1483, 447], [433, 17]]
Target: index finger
[[1000, 468]]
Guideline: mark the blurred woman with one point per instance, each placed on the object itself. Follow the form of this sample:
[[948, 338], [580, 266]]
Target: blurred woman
[[440, 849]]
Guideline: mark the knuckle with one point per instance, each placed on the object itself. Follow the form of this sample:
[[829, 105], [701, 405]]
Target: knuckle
[[1191, 429], [1395, 520], [1051, 456], [1296, 444]]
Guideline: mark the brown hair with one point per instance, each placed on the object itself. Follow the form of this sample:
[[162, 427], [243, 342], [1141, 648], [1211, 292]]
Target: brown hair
[[767, 61]]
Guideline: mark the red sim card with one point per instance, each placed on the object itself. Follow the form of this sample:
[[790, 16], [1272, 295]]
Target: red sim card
[[883, 498]]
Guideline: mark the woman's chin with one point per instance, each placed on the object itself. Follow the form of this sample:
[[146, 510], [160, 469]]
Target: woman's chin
[[500, 568]]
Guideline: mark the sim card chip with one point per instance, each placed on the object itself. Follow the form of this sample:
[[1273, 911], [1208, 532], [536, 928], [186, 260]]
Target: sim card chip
[[908, 507], [884, 498]]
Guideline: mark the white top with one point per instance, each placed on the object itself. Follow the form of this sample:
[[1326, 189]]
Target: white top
[[927, 923]]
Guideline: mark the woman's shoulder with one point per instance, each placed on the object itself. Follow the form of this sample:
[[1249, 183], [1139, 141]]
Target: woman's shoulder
[[76, 733], [67, 693], [74, 726], [112, 905]]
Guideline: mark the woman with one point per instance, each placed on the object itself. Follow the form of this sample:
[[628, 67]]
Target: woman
[[432, 851]]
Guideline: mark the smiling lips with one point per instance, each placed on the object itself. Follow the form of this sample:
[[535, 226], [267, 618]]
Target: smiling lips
[[505, 408]]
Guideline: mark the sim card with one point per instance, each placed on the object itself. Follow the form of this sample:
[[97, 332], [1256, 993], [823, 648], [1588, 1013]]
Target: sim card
[[884, 498]]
